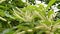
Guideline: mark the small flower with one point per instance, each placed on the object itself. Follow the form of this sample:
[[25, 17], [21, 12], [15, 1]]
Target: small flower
[[54, 7], [37, 2]]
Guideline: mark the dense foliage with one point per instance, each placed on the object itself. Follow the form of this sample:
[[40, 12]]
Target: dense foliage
[[18, 17]]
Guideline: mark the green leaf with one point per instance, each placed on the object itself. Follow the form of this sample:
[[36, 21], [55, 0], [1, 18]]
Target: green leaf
[[3, 19], [8, 15], [57, 22], [50, 13], [48, 23], [50, 4], [17, 15], [2, 12]]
